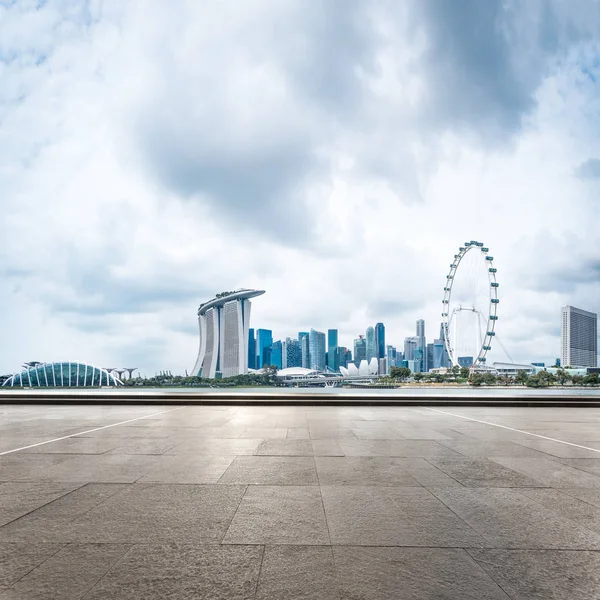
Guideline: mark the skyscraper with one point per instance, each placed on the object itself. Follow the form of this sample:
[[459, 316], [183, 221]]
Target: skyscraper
[[305, 348], [332, 344], [264, 341], [277, 354], [429, 356], [579, 337], [251, 349], [293, 353], [317, 350], [224, 324], [360, 350], [391, 357], [380, 340], [421, 344], [410, 343], [371, 350]]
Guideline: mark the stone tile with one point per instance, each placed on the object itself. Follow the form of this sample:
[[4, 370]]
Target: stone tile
[[16, 560], [551, 473], [382, 433], [556, 448], [568, 506], [19, 498], [79, 501], [150, 572], [415, 573], [363, 470], [105, 468], [387, 516], [189, 469], [590, 496], [217, 447], [279, 515], [271, 470], [402, 448], [483, 473], [264, 432], [143, 513], [152, 446], [480, 449], [28, 467], [326, 448], [543, 574], [589, 465], [75, 445], [297, 573], [508, 519], [427, 474], [298, 433], [68, 574], [285, 448]]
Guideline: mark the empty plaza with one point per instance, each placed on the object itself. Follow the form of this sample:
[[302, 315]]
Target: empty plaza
[[311, 502]]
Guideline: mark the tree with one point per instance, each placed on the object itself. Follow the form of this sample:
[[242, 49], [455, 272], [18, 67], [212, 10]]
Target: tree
[[577, 379], [591, 379], [464, 372], [418, 376], [562, 376], [455, 371], [400, 373], [476, 378], [521, 377]]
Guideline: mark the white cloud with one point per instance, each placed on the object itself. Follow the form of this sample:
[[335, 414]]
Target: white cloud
[[153, 154]]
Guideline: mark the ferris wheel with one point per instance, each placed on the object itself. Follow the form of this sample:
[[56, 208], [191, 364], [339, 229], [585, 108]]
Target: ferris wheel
[[470, 305]]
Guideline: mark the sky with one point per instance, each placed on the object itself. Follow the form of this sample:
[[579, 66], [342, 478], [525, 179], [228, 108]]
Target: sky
[[334, 153]]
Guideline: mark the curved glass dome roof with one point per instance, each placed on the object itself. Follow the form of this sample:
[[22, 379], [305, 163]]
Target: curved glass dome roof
[[62, 374]]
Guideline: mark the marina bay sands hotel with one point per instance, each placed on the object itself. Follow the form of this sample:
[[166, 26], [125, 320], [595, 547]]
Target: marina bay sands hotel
[[224, 328]]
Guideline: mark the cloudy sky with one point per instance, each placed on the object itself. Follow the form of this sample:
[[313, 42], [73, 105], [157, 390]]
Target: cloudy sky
[[334, 153]]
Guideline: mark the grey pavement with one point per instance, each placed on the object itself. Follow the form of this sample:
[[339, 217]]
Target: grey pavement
[[299, 502]]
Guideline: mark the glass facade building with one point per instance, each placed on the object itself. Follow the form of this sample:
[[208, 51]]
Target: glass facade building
[[293, 353], [380, 340], [251, 349], [305, 348], [333, 362], [371, 350], [277, 354], [264, 342], [62, 374], [316, 340]]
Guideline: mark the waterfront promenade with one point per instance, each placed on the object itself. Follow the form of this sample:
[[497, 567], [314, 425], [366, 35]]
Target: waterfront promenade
[[320, 502]]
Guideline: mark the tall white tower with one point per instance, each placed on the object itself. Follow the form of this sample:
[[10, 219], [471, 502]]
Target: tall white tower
[[224, 325]]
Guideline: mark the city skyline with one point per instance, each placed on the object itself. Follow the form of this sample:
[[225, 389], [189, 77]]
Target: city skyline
[[341, 179]]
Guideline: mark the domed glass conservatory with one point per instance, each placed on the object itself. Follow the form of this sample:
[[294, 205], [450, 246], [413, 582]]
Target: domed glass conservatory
[[62, 374]]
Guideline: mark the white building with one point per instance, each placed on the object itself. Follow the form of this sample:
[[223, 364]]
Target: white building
[[579, 337], [224, 322]]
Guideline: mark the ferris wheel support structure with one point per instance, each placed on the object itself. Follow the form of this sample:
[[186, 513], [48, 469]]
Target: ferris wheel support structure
[[450, 317]]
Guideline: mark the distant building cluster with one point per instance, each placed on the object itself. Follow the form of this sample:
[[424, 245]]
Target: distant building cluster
[[320, 351]]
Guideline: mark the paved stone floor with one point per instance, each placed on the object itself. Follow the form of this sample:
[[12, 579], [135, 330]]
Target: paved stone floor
[[299, 502]]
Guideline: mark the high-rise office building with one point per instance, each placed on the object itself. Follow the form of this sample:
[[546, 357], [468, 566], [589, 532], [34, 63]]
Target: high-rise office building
[[224, 325], [348, 357], [371, 349], [380, 340], [391, 354], [429, 356], [422, 344], [579, 337], [410, 343], [332, 345], [293, 353], [303, 338], [438, 354], [264, 342], [317, 342], [277, 354], [251, 349], [341, 357], [360, 350]]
